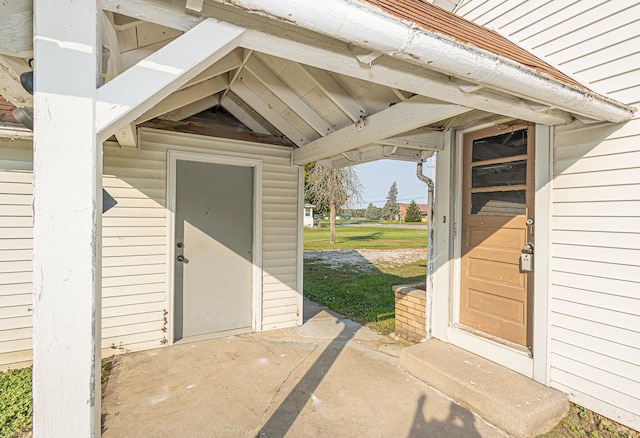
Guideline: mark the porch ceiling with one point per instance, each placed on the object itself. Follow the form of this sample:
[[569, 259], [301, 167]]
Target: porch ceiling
[[337, 102]]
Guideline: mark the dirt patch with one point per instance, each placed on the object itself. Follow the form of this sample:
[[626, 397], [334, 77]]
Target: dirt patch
[[366, 259]]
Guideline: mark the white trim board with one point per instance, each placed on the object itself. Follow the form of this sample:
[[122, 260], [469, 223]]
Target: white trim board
[[172, 158]]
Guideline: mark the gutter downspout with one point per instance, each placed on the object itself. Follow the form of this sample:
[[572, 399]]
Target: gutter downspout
[[430, 254], [364, 25]]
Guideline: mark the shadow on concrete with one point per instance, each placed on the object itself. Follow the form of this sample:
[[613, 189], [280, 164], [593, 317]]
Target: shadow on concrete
[[459, 423], [285, 415]]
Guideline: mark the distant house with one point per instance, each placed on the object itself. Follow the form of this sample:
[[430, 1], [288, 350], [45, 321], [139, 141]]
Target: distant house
[[423, 211], [308, 215]]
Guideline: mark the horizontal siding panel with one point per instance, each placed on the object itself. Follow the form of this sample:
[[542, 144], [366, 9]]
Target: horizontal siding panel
[[595, 164], [16, 300], [598, 239], [140, 202], [136, 212], [129, 251], [610, 208], [15, 311], [16, 210], [15, 359], [605, 301], [127, 300], [124, 330], [606, 270], [15, 334], [133, 231], [292, 300], [124, 271], [132, 289], [623, 320], [602, 224], [278, 291], [139, 183], [281, 310], [16, 188], [597, 194], [618, 82], [596, 284], [15, 176], [16, 323], [135, 193], [15, 266], [16, 221], [596, 390], [134, 222], [278, 319], [628, 95], [138, 318], [134, 279], [15, 277], [598, 345], [15, 345], [16, 288], [122, 343], [128, 241], [595, 65], [12, 199], [133, 309], [16, 255], [112, 262], [598, 179], [16, 233], [597, 254], [623, 336]]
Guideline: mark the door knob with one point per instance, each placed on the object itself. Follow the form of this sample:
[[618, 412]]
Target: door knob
[[181, 258]]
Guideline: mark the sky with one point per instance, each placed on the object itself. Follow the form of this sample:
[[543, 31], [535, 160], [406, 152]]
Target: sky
[[377, 177]]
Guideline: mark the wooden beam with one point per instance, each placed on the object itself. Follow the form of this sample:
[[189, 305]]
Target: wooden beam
[[283, 92], [67, 226], [192, 109], [335, 56], [414, 113], [335, 92], [186, 96], [373, 153], [233, 104], [230, 62], [262, 108], [169, 13], [421, 139], [144, 85]]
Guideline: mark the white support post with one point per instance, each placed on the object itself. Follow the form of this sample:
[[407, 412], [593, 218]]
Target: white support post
[[67, 221]]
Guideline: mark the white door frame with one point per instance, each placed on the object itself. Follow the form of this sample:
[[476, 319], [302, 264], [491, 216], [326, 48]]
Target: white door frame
[[512, 358], [172, 158]]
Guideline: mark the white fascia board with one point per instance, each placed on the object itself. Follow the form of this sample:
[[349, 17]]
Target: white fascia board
[[144, 85], [397, 119], [367, 27]]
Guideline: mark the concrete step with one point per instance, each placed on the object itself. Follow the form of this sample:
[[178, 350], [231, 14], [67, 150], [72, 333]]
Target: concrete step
[[511, 401]]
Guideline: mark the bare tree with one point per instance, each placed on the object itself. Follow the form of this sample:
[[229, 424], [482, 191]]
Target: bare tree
[[334, 188]]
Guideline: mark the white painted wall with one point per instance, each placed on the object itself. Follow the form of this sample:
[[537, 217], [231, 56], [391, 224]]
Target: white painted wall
[[594, 315], [135, 241]]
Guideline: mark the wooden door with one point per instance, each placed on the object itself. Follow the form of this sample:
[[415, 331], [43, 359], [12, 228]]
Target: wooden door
[[214, 246], [498, 195]]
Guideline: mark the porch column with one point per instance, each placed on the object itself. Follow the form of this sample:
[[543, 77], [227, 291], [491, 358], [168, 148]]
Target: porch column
[[67, 221]]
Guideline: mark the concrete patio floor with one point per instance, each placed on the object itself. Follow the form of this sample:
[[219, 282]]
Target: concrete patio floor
[[329, 377]]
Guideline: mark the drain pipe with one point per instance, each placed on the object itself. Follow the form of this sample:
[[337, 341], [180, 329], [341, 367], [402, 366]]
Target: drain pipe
[[429, 287]]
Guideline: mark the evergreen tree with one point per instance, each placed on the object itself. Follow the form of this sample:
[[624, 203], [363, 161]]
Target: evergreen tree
[[413, 213], [391, 209], [373, 212]]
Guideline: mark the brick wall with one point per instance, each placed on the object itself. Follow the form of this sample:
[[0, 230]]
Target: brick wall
[[410, 312]]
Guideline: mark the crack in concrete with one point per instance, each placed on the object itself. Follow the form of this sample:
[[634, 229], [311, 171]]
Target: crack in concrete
[[277, 391]]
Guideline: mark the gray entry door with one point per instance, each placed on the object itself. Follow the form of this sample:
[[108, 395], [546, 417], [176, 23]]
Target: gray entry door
[[213, 253]]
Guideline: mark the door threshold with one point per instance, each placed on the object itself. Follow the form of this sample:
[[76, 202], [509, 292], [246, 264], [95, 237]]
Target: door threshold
[[215, 335], [493, 338], [514, 357]]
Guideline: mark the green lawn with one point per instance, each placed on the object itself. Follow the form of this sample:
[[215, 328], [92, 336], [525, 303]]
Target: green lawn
[[363, 296], [365, 236]]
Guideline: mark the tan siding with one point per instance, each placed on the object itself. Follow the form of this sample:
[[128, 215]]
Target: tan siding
[[595, 251], [135, 239], [279, 216]]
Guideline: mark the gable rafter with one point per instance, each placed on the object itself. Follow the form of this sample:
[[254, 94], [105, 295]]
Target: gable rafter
[[283, 92], [135, 91], [397, 119]]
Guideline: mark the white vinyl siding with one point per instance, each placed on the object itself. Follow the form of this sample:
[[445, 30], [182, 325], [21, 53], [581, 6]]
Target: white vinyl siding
[[134, 263], [16, 250], [594, 320], [280, 215]]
